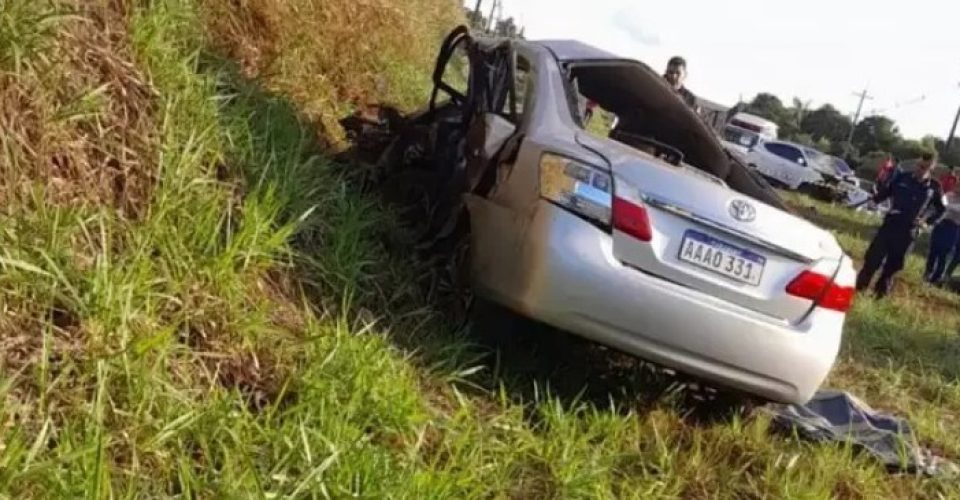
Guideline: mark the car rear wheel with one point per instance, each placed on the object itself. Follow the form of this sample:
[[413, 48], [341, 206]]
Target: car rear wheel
[[494, 325], [491, 324], [770, 180]]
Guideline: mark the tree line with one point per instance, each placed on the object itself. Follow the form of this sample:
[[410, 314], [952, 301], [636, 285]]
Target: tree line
[[827, 129]]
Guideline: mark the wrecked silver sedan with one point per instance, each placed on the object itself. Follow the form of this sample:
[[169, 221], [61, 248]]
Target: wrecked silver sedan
[[595, 201]]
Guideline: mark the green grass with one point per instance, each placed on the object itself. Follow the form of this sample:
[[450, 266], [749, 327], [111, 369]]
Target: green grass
[[601, 123], [247, 332]]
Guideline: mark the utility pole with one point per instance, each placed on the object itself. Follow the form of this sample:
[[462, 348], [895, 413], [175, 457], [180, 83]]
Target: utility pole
[[490, 19], [863, 95], [953, 130], [477, 17]]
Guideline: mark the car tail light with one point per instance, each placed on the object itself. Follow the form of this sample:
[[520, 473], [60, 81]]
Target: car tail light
[[632, 219], [576, 186], [822, 290], [629, 213]]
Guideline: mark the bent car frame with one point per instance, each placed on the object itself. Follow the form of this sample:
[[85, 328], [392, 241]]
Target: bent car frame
[[637, 230]]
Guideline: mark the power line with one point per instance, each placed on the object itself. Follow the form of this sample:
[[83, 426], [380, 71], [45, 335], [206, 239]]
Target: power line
[[917, 100], [898, 105], [927, 94]]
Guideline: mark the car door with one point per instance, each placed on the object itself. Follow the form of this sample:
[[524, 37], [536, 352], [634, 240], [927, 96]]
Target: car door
[[495, 227], [789, 163], [768, 162], [820, 165]]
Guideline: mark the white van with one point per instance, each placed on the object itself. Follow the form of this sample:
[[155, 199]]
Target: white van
[[744, 132], [766, 129], [739, 141]]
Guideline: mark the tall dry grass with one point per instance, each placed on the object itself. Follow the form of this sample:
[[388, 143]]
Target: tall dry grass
[[331, 55], [77, 116]]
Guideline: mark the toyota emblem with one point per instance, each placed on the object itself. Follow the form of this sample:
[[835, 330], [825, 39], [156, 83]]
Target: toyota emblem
[[742, 211]]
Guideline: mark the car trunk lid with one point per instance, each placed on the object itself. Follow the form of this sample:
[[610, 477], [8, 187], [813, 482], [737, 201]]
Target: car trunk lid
[[695, 218]]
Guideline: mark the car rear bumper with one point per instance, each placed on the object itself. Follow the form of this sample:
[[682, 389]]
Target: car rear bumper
[[562, 271]]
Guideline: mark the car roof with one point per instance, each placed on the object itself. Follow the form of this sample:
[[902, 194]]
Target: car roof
[[753, 119], [738, 127], [573, 50]]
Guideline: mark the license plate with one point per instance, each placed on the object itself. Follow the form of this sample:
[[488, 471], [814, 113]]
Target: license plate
[[720, 257]]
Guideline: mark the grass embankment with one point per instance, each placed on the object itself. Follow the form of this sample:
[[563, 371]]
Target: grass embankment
[[196, 302], [156, 334]]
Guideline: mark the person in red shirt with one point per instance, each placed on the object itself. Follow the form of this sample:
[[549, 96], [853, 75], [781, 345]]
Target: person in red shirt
[[949, 180], [886, 168]]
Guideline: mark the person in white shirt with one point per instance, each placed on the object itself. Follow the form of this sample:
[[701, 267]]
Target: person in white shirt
[[945, 240]]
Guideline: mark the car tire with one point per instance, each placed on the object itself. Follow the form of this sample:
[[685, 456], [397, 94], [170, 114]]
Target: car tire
[[775, 183], [487, 319], [491, 324], [500, 329]]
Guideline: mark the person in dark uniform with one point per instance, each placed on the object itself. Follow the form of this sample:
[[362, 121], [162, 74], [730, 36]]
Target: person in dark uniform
[[912, 195], [675, 75]]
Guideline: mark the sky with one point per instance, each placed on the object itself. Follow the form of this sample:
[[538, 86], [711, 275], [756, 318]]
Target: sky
[[905, 54]]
